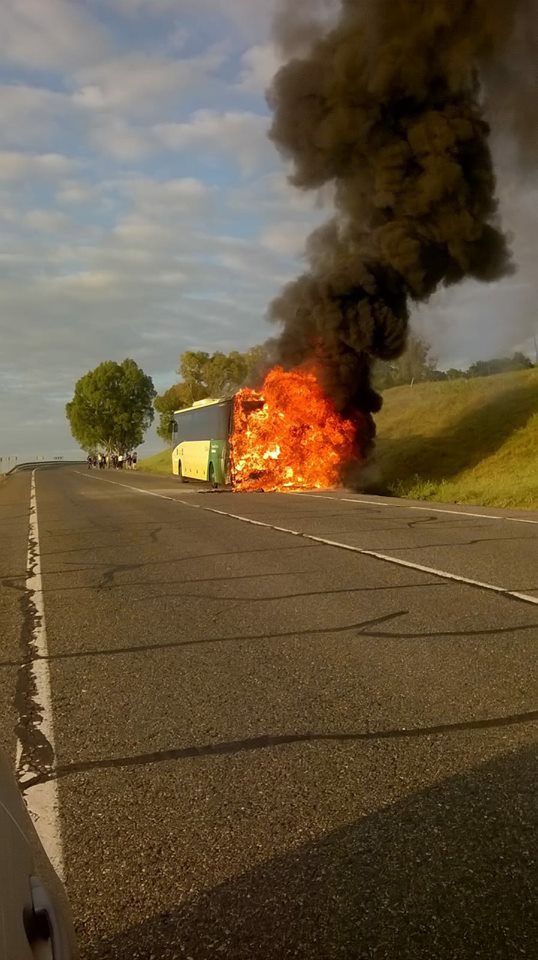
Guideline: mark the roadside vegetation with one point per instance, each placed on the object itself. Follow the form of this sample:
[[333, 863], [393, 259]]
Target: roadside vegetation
[[160, 463], [462, 440]]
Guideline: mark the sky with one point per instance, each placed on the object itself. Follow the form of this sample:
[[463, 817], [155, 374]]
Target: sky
[[144, 212]]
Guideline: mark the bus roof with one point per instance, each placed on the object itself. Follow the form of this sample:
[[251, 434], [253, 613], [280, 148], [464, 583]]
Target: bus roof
[[208, 402]]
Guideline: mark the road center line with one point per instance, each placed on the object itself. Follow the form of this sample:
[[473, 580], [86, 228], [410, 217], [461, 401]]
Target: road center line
[[36, 753], [397, 561], [409, 506]]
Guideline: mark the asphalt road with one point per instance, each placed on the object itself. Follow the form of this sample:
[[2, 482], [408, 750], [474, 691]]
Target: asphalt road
[[266, 746]]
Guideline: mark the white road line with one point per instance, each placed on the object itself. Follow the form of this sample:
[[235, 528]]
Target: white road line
[[42, 798], [409, 506], [397, 561]]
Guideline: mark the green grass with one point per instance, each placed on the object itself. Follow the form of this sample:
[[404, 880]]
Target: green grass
[[160, 463], [462, 441]]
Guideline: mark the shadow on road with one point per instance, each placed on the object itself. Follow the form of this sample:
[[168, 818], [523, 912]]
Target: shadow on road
[[462, 445], [446, 874]]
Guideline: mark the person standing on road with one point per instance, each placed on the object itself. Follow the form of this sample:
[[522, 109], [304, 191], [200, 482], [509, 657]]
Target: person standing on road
[[134, 459]]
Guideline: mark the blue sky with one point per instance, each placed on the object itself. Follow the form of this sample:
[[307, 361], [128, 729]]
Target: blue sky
[[143, 210]]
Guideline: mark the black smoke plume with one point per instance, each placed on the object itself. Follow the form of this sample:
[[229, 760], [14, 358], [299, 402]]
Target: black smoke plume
[[388, 106]]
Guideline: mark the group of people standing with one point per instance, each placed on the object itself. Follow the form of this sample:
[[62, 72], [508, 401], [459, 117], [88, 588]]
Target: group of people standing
[[112, 461]]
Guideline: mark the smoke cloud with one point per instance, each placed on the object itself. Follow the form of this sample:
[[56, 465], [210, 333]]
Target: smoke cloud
[[389, 106], [299, 24]]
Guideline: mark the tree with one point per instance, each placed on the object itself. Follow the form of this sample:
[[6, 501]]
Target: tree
[[485, 368], [416, 363], [224, 372], [175, 398], [112, 407], [207, 375], [191, 371]]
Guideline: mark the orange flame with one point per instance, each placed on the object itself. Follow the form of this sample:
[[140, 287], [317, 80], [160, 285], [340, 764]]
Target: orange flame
[[289, 435]]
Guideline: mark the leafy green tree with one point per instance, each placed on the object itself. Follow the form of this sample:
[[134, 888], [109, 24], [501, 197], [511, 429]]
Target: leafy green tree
[[259, 360], [191, 370], [112, 407], [224, 372], [207, 375]]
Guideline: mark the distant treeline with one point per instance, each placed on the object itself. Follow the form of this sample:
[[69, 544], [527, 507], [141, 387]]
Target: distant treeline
[[419, 364]]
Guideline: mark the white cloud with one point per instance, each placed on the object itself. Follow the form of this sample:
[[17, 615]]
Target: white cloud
[[242, 135], [77, 193], [138, 83], [86, 282], [47, 221], [259, 66], [20, 166], [250, 262], [111, 284], [251, 17], [29, 115], [185, 195], [49, 34], [286, 238], [275, 197], [152, 7], [115, 137], [135, 230]]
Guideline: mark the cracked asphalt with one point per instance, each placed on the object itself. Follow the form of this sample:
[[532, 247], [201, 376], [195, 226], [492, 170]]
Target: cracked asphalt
[[269, 747]]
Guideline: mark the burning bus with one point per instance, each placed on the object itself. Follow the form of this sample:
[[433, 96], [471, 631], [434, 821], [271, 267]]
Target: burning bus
[[287, 435]]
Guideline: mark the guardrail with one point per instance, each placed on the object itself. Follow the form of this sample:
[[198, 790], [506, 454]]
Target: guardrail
[[55, 462]]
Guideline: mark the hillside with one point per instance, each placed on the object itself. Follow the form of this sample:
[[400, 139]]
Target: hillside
[[468, 441], [158, 463]]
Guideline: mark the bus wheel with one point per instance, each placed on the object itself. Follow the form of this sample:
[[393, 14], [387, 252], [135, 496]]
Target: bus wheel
[[211, 476], [180, 473]]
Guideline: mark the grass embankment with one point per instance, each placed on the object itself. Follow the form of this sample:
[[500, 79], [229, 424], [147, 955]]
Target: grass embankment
[[459, 441], [159, 463], [462, 441]]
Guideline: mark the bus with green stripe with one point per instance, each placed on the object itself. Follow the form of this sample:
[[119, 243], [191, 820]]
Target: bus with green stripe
[[202, 441]]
